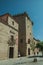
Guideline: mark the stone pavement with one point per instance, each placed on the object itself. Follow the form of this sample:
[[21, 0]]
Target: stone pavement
[[22, 61]]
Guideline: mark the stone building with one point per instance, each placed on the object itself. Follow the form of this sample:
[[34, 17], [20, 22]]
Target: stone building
[[25, 35], [36, 41], [15, 35], [8, 37]]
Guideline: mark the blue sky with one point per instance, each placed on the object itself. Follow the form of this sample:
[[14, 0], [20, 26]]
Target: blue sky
[[34, 8]]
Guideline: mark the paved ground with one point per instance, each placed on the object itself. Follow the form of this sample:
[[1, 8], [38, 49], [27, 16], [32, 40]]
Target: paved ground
[[22, 61]]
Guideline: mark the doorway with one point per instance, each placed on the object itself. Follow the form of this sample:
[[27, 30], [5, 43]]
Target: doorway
[[28, 51], [11, 52]]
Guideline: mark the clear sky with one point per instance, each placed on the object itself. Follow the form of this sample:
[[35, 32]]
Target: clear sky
[[34, 8]]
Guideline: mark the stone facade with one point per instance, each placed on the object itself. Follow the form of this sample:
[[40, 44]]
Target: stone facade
[[36, 41], [8, 37], [15, 36], [25, 34], [29, 35]]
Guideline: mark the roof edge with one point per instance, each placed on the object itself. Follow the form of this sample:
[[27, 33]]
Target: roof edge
[[36, 39], [25, 14]]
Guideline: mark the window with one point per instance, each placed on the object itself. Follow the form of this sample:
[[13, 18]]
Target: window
[[30, 33], [37, 53], [21, 40], [28, 51], [12, 37], [12, 22], [11, 41], [28, 41]]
